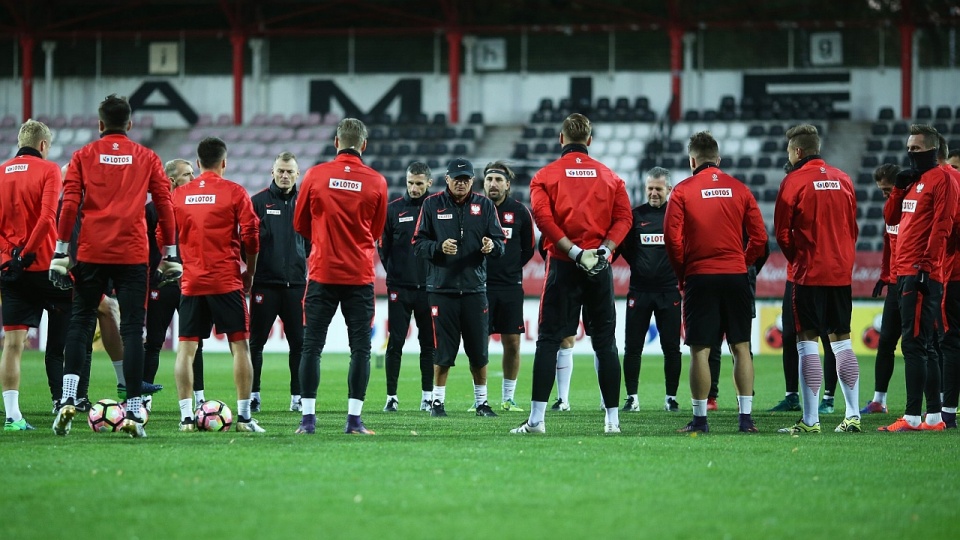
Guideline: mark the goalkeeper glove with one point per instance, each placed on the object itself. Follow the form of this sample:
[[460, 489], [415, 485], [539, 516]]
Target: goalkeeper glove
[[586, 259], [60, 265], [170, 267]]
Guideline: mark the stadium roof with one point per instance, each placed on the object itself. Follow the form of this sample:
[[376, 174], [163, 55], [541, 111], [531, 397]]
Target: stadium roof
[[75, 18]]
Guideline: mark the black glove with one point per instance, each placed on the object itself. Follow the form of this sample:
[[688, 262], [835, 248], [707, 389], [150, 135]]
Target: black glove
[[19, 261], [878, 288], [906, 177], [923, 282]]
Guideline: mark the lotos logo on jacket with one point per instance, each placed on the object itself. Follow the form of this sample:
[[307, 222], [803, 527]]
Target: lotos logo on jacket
[[908, 206], [716, 192], [474, 209], [821, 185]]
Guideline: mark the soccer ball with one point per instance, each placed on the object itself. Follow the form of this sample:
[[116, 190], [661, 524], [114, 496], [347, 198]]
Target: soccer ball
[[214, 415], [144, 413], [105, 415]]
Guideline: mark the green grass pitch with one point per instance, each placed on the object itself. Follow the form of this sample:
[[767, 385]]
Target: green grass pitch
[[467, 477]]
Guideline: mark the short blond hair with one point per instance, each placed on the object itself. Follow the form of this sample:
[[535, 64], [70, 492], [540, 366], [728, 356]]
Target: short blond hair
[[576, 129], [352, 133], [32, 132]]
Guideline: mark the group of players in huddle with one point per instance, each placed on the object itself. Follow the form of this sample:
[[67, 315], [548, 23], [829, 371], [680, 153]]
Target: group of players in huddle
[[454, 260]]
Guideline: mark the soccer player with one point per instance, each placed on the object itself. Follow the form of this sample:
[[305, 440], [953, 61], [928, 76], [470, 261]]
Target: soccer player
[[505, 274], [583, 209], [925, 202], [341, 210], [29, 189], [165, 295], [653, 293], [281, 277], [707, 218], [215, 219], [107, 184], [457, 230], [950, 337], [885, 175], [815, 220], [407, 286]]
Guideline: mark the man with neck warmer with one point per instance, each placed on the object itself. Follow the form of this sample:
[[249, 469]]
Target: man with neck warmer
[[927, 200], [815, 220]]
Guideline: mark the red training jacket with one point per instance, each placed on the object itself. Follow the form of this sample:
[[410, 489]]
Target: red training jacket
[[707, 216], [342, 209], [111, 176], [578, 197], [925, 213], [815, 221], [214, 217], [951, 255], [29, 192]]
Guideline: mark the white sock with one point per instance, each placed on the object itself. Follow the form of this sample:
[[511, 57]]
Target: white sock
[[118, 368], [308, 406], [564, 373], [537, 411], [509, 388], [613, 415], [295, 398], [70, 387], [699, 407], [848, 375], [746, 404], [354, 407], [880, 397], [134, 405], [951, 410], [425, 396], [243, 408], [255, 396], [198, 396], [811, 378], [933, 419], [914, 421], [186, 409], [479, 393], [11, 403], [439, 393]]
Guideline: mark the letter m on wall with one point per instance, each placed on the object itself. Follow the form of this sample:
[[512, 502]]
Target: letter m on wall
[[407, 91]]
